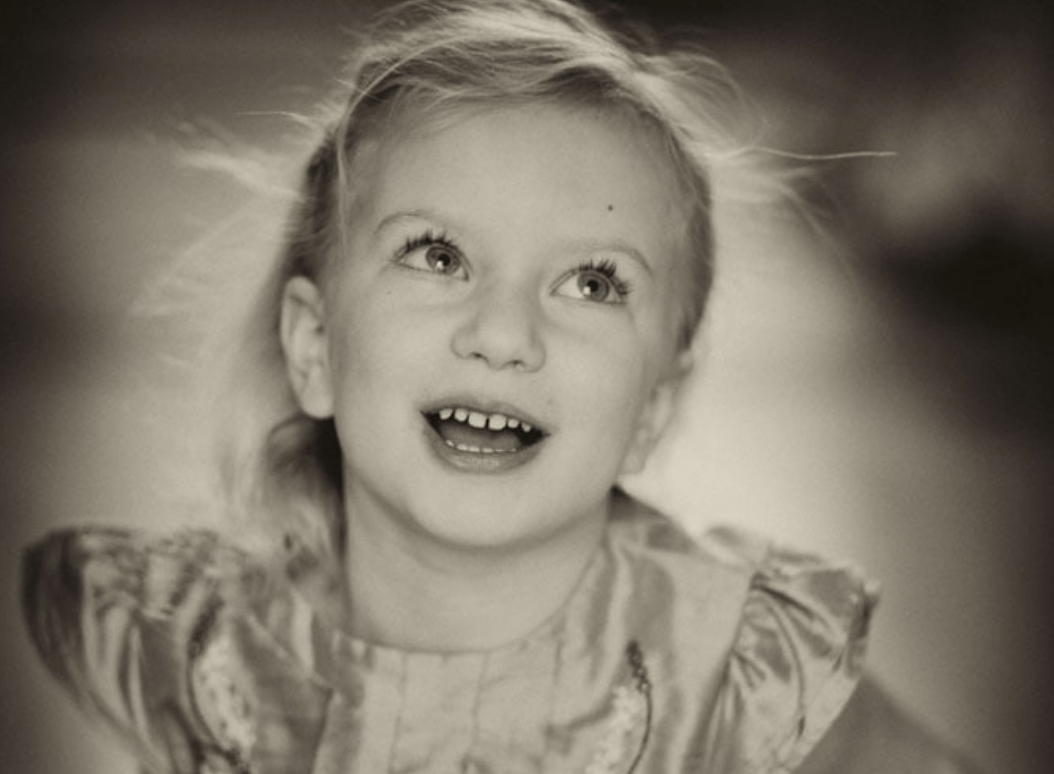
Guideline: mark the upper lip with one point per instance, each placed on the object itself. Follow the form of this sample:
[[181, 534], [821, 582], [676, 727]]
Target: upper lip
[[486, 405]]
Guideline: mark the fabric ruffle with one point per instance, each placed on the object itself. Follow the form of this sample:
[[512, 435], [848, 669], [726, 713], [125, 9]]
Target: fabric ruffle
[[114, 614], [797, 659], [151, 637]]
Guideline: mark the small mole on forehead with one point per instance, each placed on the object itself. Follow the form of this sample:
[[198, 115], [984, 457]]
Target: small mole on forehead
[[611, 207]]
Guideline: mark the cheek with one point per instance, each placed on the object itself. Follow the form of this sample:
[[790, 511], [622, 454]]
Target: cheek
[[608, 386], [373, 334]]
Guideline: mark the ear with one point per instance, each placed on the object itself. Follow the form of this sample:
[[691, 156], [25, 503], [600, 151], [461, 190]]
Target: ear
[[306, 347], [656, 415]]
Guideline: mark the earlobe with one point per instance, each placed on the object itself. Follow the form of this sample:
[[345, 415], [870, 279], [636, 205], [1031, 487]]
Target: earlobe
[[305, 345]]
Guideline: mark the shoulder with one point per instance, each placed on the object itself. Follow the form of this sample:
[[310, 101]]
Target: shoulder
[[794, 627], [97, 575], [128, 558], [798, 655], [825, 601], [771, 587], [135, 626], [164, 579]]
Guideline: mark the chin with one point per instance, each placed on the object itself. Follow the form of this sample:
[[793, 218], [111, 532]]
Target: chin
[[497, 523]]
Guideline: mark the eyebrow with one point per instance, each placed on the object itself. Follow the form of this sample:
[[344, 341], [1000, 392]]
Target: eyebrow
[[613, 246], [583, 245], [397, 218]]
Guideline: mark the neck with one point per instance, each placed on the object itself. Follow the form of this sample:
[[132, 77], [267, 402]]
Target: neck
[[409, 591]]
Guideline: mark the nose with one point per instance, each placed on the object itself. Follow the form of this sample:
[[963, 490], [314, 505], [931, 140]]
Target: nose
[[501, 329]]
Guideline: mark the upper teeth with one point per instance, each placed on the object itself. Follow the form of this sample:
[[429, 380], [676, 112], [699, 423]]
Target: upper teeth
[[480, 420]]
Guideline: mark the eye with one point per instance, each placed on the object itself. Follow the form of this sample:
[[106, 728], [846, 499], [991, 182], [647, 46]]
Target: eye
[[432, 253], [596, 282]]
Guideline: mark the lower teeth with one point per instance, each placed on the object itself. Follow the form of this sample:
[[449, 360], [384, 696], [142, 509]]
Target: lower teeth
[[475, 449]]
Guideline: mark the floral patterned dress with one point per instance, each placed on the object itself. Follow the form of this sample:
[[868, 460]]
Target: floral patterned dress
[[723, 655]]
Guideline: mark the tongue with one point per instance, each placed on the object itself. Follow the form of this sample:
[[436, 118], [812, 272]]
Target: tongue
[[466, 435]]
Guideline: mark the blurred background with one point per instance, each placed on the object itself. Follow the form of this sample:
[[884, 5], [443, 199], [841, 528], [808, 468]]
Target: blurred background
[[878, 388]]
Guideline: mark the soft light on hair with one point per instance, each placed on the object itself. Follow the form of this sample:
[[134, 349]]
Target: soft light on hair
[[425, 58]]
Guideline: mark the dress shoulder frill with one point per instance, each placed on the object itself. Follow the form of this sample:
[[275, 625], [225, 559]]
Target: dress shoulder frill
[[132, 625], [796, 659]]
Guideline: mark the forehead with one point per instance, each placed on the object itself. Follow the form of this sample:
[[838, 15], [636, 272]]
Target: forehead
[[578, 170]]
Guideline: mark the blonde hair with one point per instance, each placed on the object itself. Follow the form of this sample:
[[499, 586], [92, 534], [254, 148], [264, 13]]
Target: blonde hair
[[423, 57]]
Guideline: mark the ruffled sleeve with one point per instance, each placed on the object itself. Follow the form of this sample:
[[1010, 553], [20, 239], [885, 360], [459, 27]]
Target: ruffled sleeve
[[118, 618], [796, 659]]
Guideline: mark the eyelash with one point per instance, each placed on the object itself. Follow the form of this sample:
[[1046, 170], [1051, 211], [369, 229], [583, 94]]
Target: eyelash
[[427, 239], [607, 269], [604, 267]]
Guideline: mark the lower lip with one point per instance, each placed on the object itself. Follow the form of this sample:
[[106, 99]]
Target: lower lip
[[479, 462]]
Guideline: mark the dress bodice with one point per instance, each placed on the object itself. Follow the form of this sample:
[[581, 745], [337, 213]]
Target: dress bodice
[[720, 655]]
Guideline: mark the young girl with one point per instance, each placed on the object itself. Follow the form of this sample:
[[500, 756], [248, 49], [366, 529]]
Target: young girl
[[478, 324]]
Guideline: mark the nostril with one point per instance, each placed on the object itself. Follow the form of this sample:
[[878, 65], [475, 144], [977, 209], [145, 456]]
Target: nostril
[[501, 324], [500, 345]]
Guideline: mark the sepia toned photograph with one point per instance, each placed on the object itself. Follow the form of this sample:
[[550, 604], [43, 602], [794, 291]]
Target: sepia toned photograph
[[508, 386]]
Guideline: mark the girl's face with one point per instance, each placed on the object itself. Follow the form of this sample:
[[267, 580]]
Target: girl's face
[[496, 343]]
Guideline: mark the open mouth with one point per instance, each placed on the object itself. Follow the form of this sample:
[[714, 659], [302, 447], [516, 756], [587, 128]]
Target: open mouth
[[481, 432]]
